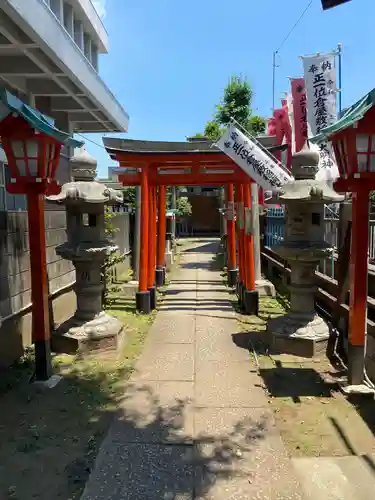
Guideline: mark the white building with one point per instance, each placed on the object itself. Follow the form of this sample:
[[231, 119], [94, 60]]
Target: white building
[[49, 58]]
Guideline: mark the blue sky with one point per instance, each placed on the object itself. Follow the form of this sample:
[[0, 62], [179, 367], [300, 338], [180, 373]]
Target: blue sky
[[169, 60]]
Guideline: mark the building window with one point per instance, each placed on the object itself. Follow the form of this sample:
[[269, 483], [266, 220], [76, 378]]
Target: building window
[[68, 19], [94, 56], [9, 202], [87, 46], [78, 33], [57, 8], [65, 13]]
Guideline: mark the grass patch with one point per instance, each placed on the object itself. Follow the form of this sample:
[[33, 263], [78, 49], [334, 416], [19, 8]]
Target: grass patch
[[313, 416], [49, 439], [268, 308]]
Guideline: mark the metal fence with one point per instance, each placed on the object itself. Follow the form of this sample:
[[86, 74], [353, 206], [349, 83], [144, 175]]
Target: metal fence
[[274, 234]]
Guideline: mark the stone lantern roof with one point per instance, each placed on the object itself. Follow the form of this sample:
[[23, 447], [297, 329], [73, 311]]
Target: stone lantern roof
[[84, 188], [305, 187]]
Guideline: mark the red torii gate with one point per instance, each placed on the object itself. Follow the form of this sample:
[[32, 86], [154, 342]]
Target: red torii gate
[[156, 165]]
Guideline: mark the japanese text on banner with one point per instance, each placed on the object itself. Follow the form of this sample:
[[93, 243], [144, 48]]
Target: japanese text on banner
[[252, 159], [299, 112], [320, 78]]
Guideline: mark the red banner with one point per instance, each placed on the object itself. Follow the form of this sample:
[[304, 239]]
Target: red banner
[[299, 112], [278, 115], [271, 126], [287, 133]]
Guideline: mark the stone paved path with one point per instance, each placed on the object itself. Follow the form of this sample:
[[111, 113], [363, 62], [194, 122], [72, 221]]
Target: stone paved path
[[195, 422]]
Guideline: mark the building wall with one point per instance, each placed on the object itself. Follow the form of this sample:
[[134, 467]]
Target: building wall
[[82, 23], [121, 221], [205, 217]]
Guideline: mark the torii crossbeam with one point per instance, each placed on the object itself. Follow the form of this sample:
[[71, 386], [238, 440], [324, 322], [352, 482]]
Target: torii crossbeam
[[156, 164]]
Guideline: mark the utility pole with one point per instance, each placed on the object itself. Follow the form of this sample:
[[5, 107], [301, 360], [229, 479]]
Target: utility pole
[[273, 79]]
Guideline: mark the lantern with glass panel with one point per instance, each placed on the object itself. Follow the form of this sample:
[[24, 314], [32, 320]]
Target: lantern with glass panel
[[354, 148], [32, 156]]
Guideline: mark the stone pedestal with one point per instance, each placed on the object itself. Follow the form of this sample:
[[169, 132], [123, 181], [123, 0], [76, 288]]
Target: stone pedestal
[[265, 288], [302, 331], [87, 247]]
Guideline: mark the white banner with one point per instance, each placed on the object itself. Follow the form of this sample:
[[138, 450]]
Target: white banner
[[258, 165], [289, 104], [320, 78]]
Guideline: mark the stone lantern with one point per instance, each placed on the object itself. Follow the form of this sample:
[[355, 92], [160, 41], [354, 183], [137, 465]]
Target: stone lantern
[[87, 246], [302, 332]]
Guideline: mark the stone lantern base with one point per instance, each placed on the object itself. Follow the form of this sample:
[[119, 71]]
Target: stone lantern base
[[102, 333], [298, 335]]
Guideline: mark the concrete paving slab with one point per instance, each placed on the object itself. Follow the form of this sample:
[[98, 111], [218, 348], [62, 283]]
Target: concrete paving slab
[[180, 295], [175, 329], [221, 384], [155, 412], [239, 455], [323, 479], [166, 362], [360, 471], [140, 472], [192, 384], [214, 340]]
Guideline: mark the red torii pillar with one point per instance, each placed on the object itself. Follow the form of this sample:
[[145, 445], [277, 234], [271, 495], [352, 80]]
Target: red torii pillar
[[143, 303], [231, 237], [250, 294], [152, 248], [162, 231], [239, 225]]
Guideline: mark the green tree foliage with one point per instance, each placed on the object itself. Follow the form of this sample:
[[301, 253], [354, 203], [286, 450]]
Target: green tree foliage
[[129, 194], [184, 208], [111, 260], [236, 104], [213, 131], [256, 125]]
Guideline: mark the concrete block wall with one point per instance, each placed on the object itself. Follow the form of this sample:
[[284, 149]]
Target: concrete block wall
[[121, 221], [15, 279]]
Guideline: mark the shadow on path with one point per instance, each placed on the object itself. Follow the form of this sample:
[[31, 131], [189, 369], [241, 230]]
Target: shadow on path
[[153, 452]]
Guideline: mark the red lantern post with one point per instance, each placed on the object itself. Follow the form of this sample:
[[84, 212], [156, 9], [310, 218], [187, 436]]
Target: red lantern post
[[33, 158], [354, 146]]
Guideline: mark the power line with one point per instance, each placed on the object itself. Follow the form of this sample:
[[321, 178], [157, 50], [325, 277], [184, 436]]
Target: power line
[[294, 26], [280, 47], [90, 140]]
